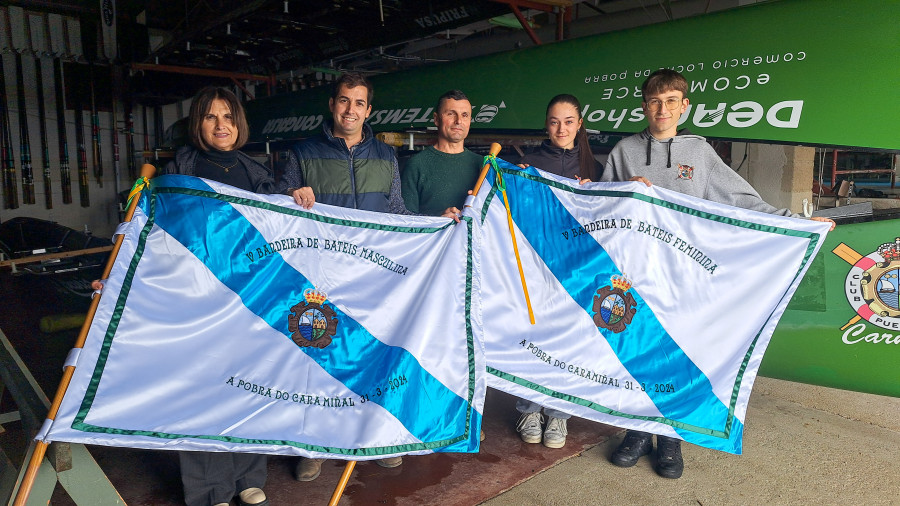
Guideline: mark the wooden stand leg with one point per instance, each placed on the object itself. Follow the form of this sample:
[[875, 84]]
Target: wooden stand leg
[[69, 464]]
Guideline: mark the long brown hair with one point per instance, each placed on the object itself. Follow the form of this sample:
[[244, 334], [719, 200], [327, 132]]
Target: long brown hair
[[586, 163]]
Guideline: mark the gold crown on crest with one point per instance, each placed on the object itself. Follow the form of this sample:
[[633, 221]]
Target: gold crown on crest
[[621, 282], [314, 296]]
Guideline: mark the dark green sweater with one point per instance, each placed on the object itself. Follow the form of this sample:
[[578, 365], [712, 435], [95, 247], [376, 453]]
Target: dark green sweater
[[433, 180]]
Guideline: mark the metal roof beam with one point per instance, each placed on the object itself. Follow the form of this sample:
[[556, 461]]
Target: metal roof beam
[[172, 69]]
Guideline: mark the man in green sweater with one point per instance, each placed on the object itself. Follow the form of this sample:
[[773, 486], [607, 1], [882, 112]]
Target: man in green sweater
[[436, 180]]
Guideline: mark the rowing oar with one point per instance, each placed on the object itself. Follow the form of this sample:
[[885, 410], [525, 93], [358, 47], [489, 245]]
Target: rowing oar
[[42, 122], [490, 160], [95, 130], [7, 165], [40, 448], [83, 179], [24, 140], [129, 135], [114, 128], [65, 176]]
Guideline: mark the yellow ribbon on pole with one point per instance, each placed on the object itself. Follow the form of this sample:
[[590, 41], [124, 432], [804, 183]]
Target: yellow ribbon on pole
[[501, 185], [491, 161]]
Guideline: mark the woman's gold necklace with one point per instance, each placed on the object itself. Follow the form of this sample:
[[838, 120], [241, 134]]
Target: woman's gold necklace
[[220, 165]]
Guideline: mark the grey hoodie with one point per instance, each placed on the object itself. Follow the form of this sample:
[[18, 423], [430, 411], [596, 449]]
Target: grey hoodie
[[686, 164]]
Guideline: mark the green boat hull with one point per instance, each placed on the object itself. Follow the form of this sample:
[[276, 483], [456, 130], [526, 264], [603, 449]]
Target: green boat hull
[[822, 339]]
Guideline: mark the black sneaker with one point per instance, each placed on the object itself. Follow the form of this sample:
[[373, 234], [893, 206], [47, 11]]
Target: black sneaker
[[635, 445], [669, 463]]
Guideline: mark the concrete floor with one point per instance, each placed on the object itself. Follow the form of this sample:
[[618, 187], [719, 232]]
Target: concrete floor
[[803, 444]]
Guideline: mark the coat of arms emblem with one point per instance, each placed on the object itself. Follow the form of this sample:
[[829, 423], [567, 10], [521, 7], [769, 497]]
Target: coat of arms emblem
[[312, 324], [613, 305]]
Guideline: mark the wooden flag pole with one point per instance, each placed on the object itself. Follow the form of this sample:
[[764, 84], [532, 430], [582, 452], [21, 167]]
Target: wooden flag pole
[[40, 448], [495, 149], [342, 484]]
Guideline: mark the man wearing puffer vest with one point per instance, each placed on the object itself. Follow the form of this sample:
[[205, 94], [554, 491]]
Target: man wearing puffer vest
[[345, 166]]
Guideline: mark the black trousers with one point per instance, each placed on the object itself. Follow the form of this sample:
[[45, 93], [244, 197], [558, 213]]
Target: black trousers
[[216, 477]]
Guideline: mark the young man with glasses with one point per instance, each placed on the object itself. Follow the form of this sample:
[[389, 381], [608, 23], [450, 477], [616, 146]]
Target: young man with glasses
[[686, 163]]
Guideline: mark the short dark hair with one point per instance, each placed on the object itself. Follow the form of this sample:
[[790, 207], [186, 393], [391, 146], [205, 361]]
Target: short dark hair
[[450, 95], [664, 80], [352, 80], [201, 105]]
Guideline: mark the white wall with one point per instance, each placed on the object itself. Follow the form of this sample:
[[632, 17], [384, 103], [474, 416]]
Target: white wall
[[781, 174]]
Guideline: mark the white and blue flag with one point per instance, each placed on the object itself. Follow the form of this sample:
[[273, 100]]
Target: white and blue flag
[[652, 308], [240, 322]]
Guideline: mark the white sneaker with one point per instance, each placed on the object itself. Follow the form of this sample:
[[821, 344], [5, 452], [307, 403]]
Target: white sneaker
[[555, 433], [529, 427]]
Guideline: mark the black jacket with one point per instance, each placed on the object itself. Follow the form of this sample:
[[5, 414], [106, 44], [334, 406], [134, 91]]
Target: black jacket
[[562, 162], [261, 177]]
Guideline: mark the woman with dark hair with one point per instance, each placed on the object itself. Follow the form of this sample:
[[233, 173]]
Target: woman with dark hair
[[218, 128], [566, 151]]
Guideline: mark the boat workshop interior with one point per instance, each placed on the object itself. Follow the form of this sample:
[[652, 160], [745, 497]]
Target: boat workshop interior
[[91, 90]]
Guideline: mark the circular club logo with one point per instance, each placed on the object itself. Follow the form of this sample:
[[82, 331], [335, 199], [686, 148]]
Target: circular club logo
[[873, 284]]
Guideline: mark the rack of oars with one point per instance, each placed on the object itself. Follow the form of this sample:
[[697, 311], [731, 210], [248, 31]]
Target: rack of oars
[[55, 68]]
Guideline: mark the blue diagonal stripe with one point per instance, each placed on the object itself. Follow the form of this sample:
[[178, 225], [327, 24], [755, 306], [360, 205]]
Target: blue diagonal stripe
[[217, 234], [582, 266]]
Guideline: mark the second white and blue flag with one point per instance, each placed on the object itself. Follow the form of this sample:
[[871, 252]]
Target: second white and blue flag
[[652, 309]]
